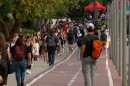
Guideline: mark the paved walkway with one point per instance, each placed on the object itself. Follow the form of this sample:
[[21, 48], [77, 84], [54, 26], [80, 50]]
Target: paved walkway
[[106, 74], [61, 77], [38, 68]]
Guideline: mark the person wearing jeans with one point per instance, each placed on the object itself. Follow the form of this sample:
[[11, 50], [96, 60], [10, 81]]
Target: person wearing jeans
[[51, 54], [20, 64], [88, 69], [51, 40], [20, 68], [78, 53], [88, 63]]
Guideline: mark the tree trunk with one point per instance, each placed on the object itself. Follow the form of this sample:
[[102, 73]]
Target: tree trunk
[[15, 28], [4, 27], [45, 21]]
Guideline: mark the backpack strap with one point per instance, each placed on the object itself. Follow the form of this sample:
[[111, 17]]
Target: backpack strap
[[92, 37], [91, 44]]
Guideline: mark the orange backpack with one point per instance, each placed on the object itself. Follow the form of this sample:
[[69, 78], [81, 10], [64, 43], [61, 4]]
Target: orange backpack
[[97, 48]]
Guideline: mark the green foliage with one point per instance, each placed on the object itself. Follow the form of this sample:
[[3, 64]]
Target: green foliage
[[31, 9], [27, 30], [103, 2], [6, 6], [100, 23], [77, 19]]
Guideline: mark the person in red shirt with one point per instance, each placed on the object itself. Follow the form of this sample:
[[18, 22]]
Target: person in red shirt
[[65, 27]]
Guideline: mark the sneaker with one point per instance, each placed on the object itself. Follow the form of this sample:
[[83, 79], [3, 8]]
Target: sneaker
[[59, 54], [37, 59], [32, 65], [71, 49], [28, 71]]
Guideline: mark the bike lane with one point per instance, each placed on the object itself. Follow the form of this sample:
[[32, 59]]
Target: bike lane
[[59, 75], [69, 73]]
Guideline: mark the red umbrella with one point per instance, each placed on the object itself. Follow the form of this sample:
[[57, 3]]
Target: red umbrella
[[91, 6]]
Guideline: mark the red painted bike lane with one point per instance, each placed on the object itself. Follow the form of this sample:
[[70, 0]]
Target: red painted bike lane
[[62, 74], [69, 73]]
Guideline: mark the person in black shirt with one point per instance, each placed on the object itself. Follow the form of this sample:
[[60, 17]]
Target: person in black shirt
[[88, 63], [20, 64]]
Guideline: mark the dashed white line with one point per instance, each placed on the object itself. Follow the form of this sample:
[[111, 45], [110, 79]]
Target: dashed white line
[[73, 79], [40, 76]]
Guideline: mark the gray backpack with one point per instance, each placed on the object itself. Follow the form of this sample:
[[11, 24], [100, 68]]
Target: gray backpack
[[51, 41]]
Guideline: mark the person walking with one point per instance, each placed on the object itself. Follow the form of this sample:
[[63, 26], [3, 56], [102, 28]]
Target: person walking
[[44, 51], [52, 41], [29, 46], [79, 43], [88, 63], [3, 60], [70, 37], [62, 40], [36, 46], [20, 57], [103, 39]]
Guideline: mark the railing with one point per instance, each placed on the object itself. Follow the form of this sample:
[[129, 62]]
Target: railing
[[119, 51]]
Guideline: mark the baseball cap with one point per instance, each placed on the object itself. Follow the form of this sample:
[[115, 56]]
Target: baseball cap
[[90, 25]]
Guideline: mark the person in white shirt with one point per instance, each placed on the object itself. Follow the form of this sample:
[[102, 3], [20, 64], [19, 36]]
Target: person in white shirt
[[107, 42]]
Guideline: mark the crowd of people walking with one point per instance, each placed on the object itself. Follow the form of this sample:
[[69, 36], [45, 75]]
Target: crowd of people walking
[[23, 49]]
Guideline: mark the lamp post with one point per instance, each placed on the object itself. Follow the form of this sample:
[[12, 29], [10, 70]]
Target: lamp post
[[124, 81], [95, 11], [129, 47]]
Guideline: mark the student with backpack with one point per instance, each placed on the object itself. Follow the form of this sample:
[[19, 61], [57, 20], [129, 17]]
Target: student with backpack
[[90, 51], [20, 57], [51, 41], [103, 39]]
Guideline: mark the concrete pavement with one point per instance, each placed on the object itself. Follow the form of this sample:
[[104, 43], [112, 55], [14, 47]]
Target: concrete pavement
[[38, 68], [104, 76]]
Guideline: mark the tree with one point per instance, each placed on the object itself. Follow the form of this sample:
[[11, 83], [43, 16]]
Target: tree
[[18, 11]]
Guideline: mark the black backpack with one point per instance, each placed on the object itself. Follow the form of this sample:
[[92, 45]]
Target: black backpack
[[70, 35], [103, 37]]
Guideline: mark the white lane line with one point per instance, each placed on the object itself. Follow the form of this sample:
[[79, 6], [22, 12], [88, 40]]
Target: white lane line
[[109, 73], [74, 77], [40, 76]]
